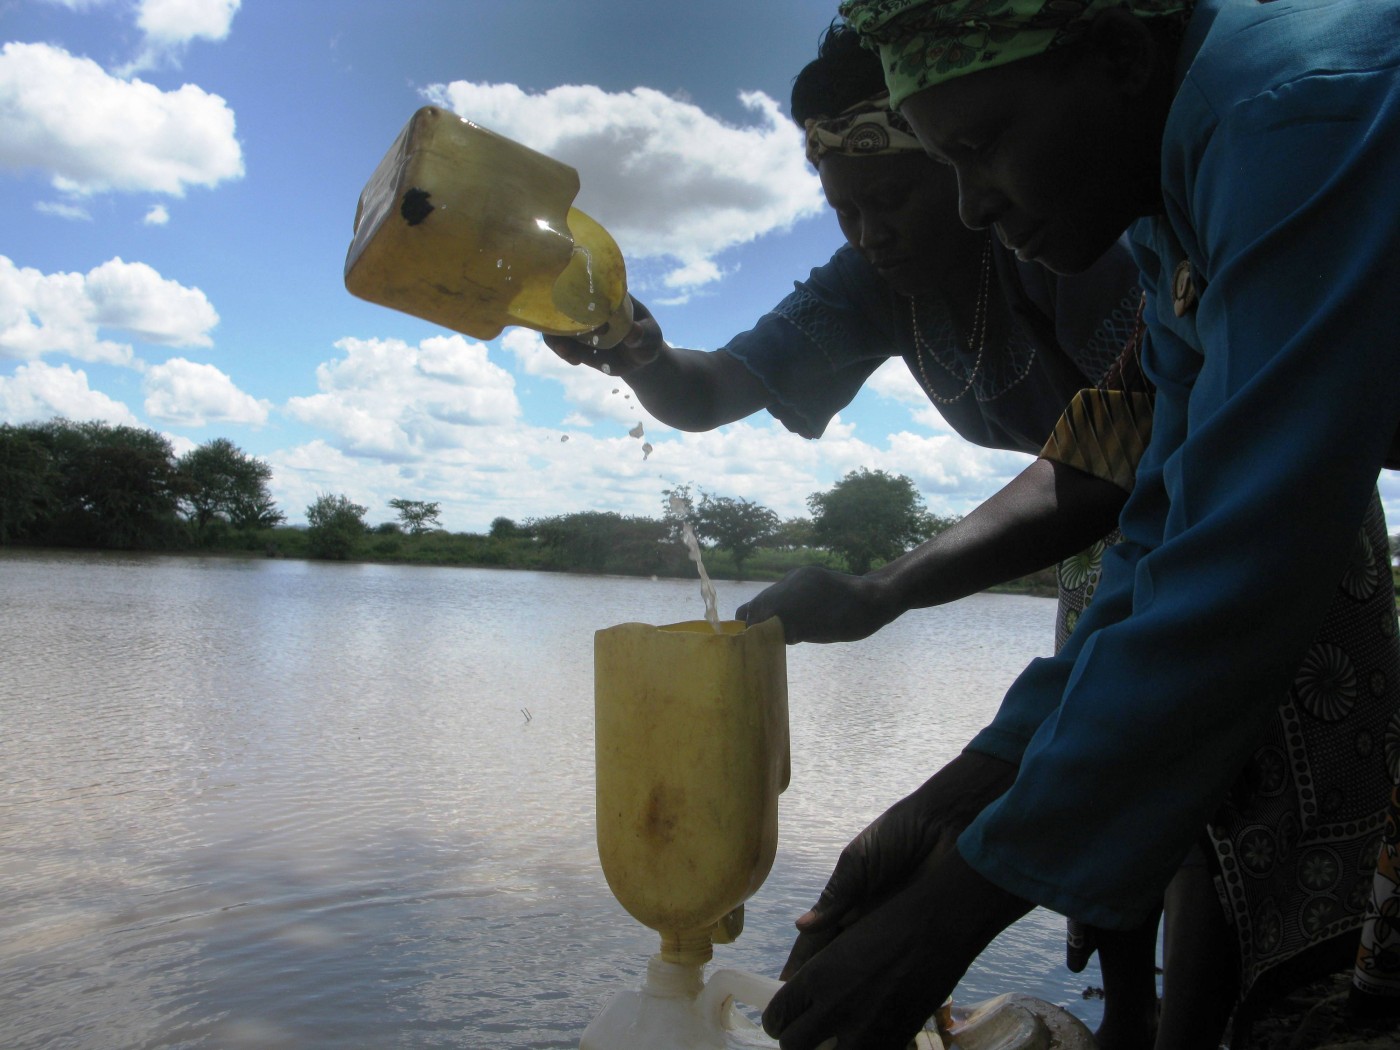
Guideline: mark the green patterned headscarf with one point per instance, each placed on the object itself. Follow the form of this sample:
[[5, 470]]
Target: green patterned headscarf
[[925, 42]]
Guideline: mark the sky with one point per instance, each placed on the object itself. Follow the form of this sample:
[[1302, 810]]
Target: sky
[[178, 183]]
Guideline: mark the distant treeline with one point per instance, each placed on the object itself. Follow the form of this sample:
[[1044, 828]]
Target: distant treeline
[[100, 485], [105, 486]]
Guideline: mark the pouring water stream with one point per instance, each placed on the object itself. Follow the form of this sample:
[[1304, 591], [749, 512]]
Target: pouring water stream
[[680, 507]]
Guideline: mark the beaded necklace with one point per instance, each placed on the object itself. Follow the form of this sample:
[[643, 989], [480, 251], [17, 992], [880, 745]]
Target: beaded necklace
[[977, 344]]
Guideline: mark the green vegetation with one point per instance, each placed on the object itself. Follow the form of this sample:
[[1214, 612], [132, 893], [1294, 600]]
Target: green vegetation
[[334, 527], [98, 485], [871, 517]]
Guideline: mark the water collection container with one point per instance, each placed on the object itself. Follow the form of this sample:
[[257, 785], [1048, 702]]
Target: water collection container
[[472, 231]]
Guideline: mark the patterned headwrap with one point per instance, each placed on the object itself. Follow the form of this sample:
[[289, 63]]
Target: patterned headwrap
[[865, 129], [925, 42]]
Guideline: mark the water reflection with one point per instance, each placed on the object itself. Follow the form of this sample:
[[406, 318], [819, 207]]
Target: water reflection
[[275, 804]]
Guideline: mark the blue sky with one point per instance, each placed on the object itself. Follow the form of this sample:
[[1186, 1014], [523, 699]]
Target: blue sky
[[178, 181]]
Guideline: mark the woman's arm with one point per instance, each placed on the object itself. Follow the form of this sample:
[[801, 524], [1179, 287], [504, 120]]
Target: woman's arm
[[692, 390], [1048, 512]]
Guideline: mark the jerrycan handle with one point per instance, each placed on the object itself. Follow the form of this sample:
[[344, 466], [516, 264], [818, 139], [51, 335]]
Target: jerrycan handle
[[726, 987], [614, 331]]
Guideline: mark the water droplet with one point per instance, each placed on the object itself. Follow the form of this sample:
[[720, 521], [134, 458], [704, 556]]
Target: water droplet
[[500, 263], [607, 371], [646, 451], [592, 307], [636, 431]]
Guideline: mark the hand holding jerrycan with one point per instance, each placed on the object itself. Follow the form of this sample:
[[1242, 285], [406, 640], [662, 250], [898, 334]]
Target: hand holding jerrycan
[[467, 229]]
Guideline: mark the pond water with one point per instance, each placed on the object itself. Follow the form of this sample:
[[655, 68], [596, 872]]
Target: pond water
[[271, 804]]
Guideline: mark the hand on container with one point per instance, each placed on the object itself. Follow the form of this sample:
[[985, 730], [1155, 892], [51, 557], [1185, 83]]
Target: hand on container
[[820, 605], [639, 347], [884, 976], [913, 834]]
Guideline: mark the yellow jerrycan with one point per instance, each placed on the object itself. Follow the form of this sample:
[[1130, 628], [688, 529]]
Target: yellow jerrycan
[[467, 229]]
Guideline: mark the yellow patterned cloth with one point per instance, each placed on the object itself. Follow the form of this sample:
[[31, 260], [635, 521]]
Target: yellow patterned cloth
[[1103, 433], [1104, 430]]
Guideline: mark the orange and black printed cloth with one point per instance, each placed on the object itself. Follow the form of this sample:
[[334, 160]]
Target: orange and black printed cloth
[[1377, 973], [1105, 429]]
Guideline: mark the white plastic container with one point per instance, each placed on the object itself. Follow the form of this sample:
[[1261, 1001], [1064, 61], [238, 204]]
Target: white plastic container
[[677, 1009]]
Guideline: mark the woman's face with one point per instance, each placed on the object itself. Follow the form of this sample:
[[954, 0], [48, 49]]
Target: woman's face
[[900, 211], [1057, 156]]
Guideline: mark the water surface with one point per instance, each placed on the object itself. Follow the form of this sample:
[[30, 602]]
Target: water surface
[[267, 804]]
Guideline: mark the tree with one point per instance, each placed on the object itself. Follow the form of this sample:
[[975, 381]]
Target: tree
[[27, 481], [335, 526], [121, 487], [416, 515], [601, 541], [259, 512], [505, 529], [869, 515], [735, 525], [226, 484], [792, 534]]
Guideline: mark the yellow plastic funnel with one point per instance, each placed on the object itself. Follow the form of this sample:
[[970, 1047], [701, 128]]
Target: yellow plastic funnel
[[691, 735]]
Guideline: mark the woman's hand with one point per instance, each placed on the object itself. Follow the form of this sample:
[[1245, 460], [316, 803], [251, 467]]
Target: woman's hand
[[820, 605], [880, 980], [639, 347], [914, 834]]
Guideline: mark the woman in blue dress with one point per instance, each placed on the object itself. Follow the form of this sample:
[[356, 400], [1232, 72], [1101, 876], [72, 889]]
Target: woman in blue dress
[[999, 346], [1254, 150]]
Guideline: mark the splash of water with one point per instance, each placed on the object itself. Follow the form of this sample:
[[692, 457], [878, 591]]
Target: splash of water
[[680, 507]]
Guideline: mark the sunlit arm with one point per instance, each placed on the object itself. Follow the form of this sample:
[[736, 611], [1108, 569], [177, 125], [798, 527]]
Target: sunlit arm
[[693, 390], [1048, 512]]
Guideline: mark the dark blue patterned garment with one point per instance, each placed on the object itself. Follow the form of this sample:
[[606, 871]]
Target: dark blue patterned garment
[[816, 348]]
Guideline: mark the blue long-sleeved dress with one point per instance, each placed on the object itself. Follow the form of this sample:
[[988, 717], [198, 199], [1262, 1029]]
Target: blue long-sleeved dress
[[1278, 401]]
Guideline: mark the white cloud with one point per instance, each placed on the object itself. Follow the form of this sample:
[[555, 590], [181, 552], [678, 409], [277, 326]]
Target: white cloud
[[179, 21], [159, 215], [94, 132], [37, 392], [63, 210], [170, 25], [670, 182], [136, 299], [190, 394], [64, 312], [390, 400], [597, 397], [894, 381]]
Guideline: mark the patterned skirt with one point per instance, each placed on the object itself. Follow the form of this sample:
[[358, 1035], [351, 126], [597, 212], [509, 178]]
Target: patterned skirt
[[1303, 849]]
